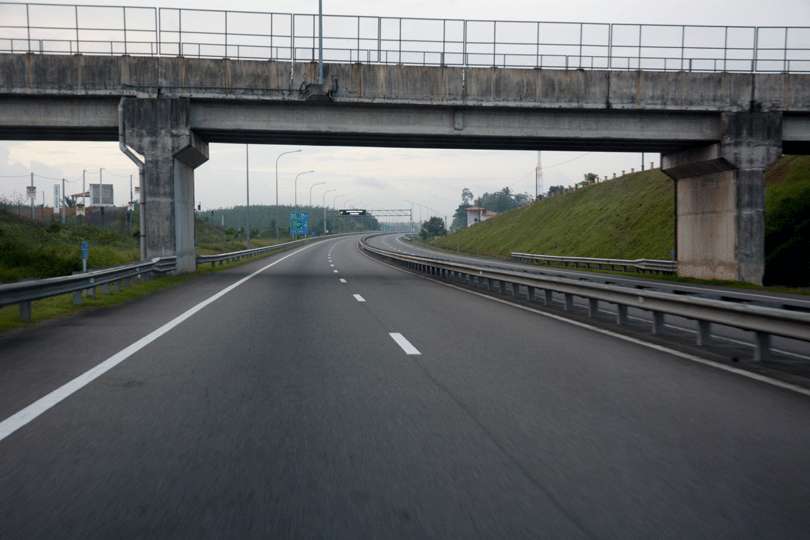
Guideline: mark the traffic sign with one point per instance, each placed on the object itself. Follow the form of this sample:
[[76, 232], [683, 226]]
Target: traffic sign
[[85, 250], [299, 224]]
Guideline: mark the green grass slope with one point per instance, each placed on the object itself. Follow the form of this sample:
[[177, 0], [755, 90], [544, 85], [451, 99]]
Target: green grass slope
[[629, 217], [632, 217]]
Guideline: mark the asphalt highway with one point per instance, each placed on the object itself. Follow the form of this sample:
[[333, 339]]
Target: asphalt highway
[[323, 394], [791, 353]]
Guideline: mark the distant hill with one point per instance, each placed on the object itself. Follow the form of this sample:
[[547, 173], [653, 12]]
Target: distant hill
[[632, 217]]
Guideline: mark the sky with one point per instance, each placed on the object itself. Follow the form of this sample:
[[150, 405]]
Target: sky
[[376, 178]]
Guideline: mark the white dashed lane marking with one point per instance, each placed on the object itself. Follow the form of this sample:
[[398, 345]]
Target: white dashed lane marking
[[404, 344]]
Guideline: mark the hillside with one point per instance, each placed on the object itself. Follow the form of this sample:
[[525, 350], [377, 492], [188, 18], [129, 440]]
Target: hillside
[[632, 217]]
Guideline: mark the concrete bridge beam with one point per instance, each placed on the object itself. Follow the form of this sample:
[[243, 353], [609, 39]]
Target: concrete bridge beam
[[720, 198], [158, 129]]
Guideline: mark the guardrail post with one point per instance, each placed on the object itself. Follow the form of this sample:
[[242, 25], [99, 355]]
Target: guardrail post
[[593, 307], [569, 302], [549, 297], [531, 293], [502, 287], [657, 323], [762, 351], [515, 290], [703, 333], [77, 298], [621, 314], [25, 311]]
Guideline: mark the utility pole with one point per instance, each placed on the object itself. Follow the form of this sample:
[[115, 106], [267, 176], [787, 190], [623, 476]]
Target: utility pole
[[538, 176], [62, 209], [32, 197], [247, 192], [100, 198], [642, 161]]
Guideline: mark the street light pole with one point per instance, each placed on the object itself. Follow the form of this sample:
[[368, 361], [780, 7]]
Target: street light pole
[[310, 191], [325, 193], [277, 159], [296, 185]]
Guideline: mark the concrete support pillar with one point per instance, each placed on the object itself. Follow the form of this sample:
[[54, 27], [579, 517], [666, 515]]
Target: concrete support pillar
[[720, 198], [158, 129]]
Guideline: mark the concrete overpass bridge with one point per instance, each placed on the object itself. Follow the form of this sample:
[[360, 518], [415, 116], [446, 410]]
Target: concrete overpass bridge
[[717, 131]]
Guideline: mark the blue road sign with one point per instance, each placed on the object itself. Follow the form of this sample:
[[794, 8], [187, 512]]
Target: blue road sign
[[85, 249], [299, 224]]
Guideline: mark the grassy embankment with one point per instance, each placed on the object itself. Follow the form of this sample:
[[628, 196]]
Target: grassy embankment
[[632, 217], [31, 251]]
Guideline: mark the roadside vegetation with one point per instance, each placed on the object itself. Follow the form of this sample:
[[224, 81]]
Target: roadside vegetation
[[632, 217]]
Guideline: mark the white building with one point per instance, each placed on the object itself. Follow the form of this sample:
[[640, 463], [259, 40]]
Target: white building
[[476, 214]]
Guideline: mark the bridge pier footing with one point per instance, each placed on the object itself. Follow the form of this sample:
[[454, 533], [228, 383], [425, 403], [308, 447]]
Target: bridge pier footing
[[158, 129], [720, 198]]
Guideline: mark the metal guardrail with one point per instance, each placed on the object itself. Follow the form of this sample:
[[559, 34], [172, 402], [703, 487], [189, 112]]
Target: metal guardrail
[[642, 265], [151, 31], [25, 292], [764, 322]]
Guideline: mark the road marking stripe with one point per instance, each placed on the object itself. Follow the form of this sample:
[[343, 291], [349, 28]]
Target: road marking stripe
[[342, 280], [335, 271], [332, 265], [404, 344], [685, 356], [40, 406], [359, 298]]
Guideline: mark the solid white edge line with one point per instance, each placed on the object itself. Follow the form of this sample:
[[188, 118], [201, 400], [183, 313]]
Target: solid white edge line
[[404, 344], [685, 356], [43, 404], [359, 298]]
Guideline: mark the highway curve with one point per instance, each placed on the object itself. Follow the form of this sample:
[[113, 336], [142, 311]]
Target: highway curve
[[296, 405]]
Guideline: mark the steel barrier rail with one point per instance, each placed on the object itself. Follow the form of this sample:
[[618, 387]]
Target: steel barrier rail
[[23, 293], [764, 322], [649, 265]]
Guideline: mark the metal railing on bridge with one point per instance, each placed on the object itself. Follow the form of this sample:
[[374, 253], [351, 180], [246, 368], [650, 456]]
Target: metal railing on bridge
[[151, 31]]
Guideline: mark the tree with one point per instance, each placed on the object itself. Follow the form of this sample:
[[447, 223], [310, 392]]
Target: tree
[[432, 228], [502, 200], [467, 196], [590, 178], [460, 215]]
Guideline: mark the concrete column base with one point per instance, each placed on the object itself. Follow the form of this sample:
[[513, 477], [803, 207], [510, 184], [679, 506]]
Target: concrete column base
[[158, 129], [720, 199]]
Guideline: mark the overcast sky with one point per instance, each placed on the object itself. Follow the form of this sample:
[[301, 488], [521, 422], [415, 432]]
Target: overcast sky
[[387, 178]]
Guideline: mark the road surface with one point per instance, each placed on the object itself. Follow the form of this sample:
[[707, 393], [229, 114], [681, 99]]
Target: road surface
[[332, 396]]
